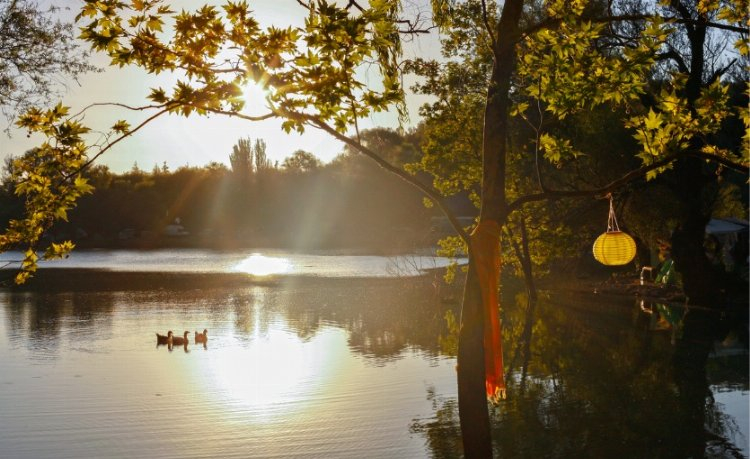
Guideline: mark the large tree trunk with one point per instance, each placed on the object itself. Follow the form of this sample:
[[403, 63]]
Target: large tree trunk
[[700, 283], [472, 398]]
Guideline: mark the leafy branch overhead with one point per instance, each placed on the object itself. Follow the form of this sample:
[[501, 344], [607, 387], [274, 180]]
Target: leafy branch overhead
[[338, 67], [321, 69], [576, 57]]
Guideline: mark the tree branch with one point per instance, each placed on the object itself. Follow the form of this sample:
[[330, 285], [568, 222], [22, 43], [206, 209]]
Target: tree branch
[[551, 23], [109, 145], [724, 161], [121, 105], [720, 72], [217, 111], [627, 178], [676, 57], [487, 25]]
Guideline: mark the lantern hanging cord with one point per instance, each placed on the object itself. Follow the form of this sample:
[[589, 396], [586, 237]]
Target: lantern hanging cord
[[612, 225]]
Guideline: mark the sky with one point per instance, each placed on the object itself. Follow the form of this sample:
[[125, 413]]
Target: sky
[[195, 141]]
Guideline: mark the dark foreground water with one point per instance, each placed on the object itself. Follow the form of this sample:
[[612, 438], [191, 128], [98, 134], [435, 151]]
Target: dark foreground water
[[358, 368]]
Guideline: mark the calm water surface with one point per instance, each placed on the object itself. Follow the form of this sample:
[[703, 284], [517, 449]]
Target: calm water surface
[[299, 372], [359, 368]]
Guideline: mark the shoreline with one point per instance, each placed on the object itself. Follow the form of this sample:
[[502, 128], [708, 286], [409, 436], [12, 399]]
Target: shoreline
[[57, 280], [53, 280]]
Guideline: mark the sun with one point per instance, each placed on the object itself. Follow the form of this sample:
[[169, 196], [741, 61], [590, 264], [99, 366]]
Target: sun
[[255, 95]]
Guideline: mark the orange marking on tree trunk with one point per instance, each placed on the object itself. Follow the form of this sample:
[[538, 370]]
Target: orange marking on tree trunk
[[485, 244]]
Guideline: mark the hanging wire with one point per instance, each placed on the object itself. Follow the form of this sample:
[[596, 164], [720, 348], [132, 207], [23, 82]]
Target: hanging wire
[[612, 225]]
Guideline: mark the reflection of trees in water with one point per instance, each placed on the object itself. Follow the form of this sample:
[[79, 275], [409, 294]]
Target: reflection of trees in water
[[247, 309], [383, 317], [41, 320], [442, 433], [384, 321], [595, 381]]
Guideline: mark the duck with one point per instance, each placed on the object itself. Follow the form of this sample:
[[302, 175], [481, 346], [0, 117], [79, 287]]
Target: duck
[[201, 337], [180, 341], [161, 339]]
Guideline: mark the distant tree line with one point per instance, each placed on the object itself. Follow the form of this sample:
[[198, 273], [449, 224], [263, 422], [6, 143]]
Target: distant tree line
[[350, 202], [300, 203]]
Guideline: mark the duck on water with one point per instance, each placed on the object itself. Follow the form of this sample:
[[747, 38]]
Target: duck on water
[[180, 340], [164, 339]]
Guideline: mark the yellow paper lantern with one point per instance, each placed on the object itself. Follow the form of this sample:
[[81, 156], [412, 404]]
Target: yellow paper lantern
[[614, 248]]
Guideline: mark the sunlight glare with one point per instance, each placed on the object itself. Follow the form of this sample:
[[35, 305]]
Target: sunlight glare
[[260, 265], [255, 97], [275, 375]]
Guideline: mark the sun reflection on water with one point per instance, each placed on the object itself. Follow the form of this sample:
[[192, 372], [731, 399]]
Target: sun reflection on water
[[261, 265], [275, 374]]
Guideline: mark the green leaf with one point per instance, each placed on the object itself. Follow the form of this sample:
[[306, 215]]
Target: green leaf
[[653, 120]]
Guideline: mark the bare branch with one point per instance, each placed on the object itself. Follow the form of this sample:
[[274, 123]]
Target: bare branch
[[627, 178], [724, 161], [109, 145], [353, 3], [117, 104], [676, 57], [231, 114], [487, 26], [720, 72], [552, 23]]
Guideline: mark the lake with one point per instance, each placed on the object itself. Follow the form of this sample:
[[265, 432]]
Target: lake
[[255, 261], [356, 366]]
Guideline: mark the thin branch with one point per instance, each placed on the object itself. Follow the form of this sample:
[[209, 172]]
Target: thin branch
[[116, 141], [551, 23], [414, 27], [117, 104], [630, 176], [354, 4], [724, 161], [486, 21], [412, 31], [676, 57], [711, 25], [217, 111], [720, 72], [627, 178]]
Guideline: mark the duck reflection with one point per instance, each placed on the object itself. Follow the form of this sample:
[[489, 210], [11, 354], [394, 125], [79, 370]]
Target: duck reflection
[[170, 347]]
